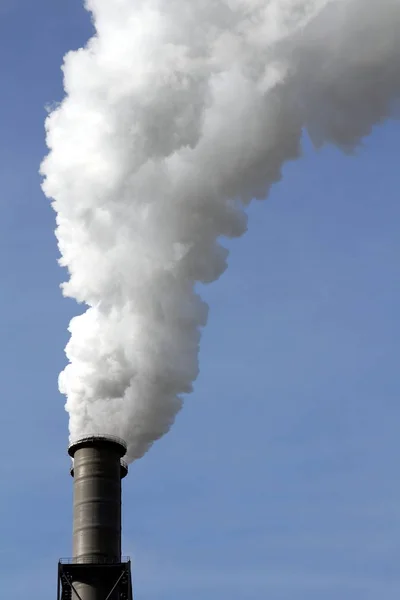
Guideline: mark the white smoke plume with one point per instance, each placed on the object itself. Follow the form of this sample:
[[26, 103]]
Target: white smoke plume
[[177, 114]]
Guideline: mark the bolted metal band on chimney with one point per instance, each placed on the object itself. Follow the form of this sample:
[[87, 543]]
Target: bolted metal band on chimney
[[96, 570]]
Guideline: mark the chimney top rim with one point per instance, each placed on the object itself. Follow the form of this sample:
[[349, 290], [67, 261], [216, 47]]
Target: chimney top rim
[[96, 440]]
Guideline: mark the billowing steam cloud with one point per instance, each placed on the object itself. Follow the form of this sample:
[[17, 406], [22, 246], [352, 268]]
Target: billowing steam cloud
[[176, 115]]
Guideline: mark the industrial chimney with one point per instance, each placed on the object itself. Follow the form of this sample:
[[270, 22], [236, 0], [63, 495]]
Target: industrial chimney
[[96, 571]]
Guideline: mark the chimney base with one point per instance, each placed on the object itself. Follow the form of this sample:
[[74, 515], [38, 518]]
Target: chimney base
[[94, 581]]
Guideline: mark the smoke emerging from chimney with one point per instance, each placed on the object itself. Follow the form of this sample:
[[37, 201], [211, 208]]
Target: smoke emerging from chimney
[[176, 115]]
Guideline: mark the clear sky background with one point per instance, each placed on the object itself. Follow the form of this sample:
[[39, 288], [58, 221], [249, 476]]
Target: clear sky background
[[280, 478]]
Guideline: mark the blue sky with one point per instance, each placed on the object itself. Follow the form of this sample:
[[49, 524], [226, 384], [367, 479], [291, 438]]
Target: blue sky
[[280, 477]]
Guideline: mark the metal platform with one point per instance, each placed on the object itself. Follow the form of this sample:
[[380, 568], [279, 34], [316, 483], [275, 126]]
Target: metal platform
[[116, 577]]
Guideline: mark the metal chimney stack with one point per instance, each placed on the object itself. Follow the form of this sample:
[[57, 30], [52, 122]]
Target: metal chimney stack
[[96, 571]]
